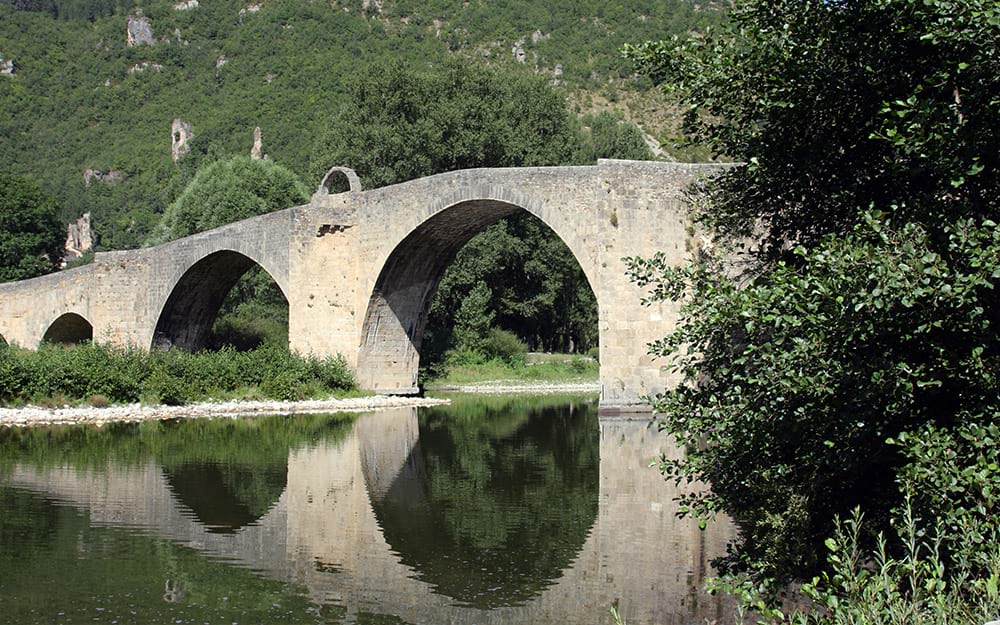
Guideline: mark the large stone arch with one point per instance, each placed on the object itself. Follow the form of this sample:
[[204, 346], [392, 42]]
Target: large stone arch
[[195, 296], [410, 269], [69, 328]]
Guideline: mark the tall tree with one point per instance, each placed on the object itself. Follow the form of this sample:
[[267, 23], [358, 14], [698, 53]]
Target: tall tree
[[226, 191], [869, 306], [31, 236]]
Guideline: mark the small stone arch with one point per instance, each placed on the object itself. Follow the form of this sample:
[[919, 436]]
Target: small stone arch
[[186, 318], [353, 181], [392, 331], [69, 328]]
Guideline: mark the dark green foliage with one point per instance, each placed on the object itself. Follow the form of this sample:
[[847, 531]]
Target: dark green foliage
[[227, 191], [870, 310], [170, 377], [610, 136], [536, 287], [401, 122], [505, 346], [31, 237], [72, 9]]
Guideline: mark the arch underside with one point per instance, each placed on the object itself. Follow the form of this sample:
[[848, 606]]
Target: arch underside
[[398, 309], [69, 328], [186, 319]]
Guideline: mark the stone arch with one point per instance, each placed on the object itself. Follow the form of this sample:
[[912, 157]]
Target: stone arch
[[335, 173], [69, 328], [394, 322], [186, 318]]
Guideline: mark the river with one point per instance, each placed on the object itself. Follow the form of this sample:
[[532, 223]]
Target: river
[[491, 510]]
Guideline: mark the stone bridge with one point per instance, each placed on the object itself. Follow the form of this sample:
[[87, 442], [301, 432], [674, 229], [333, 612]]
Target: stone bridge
[[359, 268]]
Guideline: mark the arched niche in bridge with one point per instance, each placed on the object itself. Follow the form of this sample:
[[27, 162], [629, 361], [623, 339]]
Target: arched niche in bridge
[[339, 180], [399, 305], [69, 328], [496, 499], [187, 318]]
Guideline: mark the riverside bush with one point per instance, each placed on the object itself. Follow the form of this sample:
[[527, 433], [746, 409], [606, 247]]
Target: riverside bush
[[505, 346], [171, 377]]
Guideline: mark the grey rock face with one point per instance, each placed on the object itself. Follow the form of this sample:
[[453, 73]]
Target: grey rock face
[[180, 137], [139, 32], [95, 175]]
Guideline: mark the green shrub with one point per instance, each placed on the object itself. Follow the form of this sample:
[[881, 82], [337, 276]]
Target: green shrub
[[505, 346], [286, 386], [902, 580], [167, 388], [79, 373]]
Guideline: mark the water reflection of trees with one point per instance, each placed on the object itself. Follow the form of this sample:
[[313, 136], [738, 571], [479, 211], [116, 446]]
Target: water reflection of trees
[[499, 499], [228, 472]]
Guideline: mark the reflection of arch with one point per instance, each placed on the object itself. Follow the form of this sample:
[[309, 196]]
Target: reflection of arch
[[69, 328], [399, 304], [492, 510], [226, 497], [187, 316], [353, 183]]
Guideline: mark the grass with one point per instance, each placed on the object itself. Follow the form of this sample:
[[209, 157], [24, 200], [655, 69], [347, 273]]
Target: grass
[[538, 369]]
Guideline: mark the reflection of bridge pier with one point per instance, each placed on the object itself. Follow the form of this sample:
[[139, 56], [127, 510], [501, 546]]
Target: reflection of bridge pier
[[323, 532]]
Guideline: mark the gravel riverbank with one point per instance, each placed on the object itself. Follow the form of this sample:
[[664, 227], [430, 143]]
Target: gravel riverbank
[[36, 415]]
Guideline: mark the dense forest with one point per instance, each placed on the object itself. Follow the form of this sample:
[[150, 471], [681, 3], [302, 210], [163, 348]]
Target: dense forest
[[80, 98]]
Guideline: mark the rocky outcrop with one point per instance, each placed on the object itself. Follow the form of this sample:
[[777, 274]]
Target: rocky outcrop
[[257, 151], [186, 6], [78, 240], [139, 32], [371, 6], [111, 176], [180, 138], [141, 67], [250, 8], [6, 67], [538, 36], [518, 51]]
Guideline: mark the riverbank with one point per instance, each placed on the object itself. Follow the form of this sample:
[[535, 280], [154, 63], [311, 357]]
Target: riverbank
[[505, 387], [538, 370], [29, 416]]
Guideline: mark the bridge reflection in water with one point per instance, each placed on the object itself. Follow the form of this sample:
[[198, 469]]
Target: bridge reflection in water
[[435, 519]]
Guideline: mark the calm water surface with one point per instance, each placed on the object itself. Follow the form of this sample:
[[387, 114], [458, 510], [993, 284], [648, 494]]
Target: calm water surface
[[492, 510]]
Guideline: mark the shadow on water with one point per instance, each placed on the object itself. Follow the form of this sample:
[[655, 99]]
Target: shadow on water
[[496, 499]]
